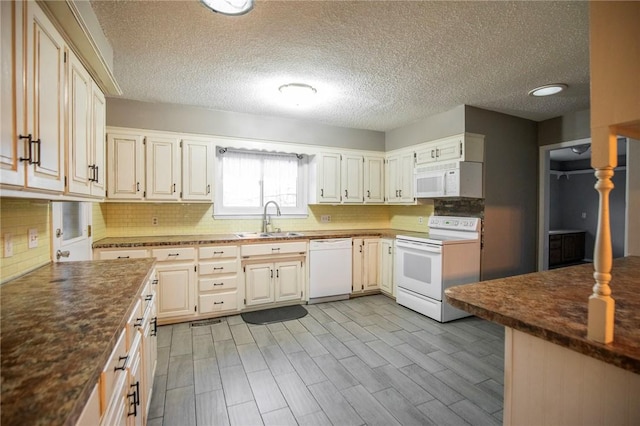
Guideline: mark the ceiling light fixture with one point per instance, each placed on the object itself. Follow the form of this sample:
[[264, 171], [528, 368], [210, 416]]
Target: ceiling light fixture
[[297, 93], [580, 149], [229, 7], [548, 89]]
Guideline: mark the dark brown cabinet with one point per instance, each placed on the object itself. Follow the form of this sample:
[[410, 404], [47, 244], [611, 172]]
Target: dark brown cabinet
[[566, 248]]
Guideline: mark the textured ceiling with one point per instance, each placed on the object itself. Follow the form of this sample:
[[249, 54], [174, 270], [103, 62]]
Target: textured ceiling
[[376, 64]]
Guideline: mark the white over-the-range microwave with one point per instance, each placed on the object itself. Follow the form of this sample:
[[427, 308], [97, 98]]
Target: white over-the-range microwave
[[454, 179]]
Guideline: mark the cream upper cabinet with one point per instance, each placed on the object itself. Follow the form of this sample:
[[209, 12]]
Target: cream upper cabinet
[[86, 132], [351, 178], [12, 126], [197, 170], [399, 178], [45, 79], [163, 168], [125, 160], [33, 65], [465, 147], [373, 179], [328, 178]]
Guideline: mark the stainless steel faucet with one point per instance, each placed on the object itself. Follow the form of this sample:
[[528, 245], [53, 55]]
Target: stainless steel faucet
[[265, 222]]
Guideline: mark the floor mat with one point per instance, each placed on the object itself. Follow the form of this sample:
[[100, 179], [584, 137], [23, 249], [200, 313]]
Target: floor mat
[[268, 316]]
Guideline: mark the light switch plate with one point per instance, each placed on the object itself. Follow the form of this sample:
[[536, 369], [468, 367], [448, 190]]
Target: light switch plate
[[8, 245], [33, 238]]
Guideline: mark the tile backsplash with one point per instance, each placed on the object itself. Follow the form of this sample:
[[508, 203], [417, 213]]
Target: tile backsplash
[[17, 216]]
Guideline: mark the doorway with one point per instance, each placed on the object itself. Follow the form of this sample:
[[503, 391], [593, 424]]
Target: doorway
[[568, 204], [71, 230]]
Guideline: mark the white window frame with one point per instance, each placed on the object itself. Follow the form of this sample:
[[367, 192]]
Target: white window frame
[[223, 212]]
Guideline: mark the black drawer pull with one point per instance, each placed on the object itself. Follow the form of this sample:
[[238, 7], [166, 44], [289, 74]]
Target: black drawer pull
[[124, 364], [218, 303], [123, 257], [154, 282], [148, 297], [154, 332], [136, 399], [218, 284], [275, 249], [173, 254], [218, 252], [218, 269], [138, 322]]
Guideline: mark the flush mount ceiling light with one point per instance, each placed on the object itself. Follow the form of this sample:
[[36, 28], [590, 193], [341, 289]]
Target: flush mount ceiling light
[[229, 7], [580, 149], [297, 93], [548, 89]]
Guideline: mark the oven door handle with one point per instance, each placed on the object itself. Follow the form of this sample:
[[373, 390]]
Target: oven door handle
[[418, 246]]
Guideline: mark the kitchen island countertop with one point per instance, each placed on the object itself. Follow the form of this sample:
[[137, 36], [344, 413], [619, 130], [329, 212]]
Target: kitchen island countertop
[[187, 240], [552, 305], [59, 326]]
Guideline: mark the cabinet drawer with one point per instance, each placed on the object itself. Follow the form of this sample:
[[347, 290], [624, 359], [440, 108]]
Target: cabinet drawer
[[217, 252], [174, 254], [273, 249], [113, 369], [124, 254], [222, 283], [134, 323], [218, 302], [223, 267]]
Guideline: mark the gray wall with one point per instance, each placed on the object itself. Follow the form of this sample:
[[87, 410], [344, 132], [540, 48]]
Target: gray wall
[[576, 195], [565, 128], [433, 127], [511, 191], [178, 118]]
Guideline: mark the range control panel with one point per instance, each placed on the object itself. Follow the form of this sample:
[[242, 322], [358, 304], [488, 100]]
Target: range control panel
[[454, 223]]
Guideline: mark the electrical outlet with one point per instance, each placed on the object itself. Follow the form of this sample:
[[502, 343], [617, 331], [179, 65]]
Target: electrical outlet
[[420, 219], [8, 245], [325, 218], [33, 238], [154, 221], [584, 215]]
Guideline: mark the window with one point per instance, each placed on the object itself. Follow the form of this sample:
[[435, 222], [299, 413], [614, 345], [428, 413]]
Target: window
[[246, 180]]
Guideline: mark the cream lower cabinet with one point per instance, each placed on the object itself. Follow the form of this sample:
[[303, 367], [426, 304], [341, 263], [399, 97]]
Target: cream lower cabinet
[[274, 272], [273, 282], [365, 265], [176, 273], [387, 284]]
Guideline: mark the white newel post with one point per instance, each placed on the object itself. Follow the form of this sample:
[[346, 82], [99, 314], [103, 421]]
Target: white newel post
[[601, 304]]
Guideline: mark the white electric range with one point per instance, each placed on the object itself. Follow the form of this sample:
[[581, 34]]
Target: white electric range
[[425, 266]]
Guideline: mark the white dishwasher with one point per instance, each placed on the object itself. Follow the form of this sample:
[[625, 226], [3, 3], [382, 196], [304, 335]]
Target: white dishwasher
[[329, 269]]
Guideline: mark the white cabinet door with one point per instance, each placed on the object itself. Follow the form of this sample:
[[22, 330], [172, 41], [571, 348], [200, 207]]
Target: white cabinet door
[[352, 178], [197, 170], [98, 126], [386, 266], [79, 161], [392, 179], [373, 179], [45, 101], [259, 283], [12, 170], [356, 270], [163, 169], [288, 280], [370, 264], [125, 159], [176, 284], [329, 178], [407, 162], [449, 150]]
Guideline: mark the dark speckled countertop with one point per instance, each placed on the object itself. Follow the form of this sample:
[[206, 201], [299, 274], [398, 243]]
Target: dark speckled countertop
[[190, 240], [552, 305], [59, 325]]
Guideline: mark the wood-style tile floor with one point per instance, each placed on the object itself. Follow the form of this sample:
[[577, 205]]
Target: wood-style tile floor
[[363, 361]]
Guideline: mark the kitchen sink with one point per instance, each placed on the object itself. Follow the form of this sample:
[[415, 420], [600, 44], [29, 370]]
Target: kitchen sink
[[269, 234]]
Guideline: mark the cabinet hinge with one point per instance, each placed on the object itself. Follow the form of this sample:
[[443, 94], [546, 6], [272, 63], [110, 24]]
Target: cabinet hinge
[[144, 193], [245, 301], [363, 286], [65, 57], [180, 194], [195, 269], [106, 194], [65, 181], [195, 308], [300, 294], [244, 269], [180, 144], [460, 149]]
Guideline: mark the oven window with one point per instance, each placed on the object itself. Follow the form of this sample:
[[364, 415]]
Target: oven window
[[417, 267]]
